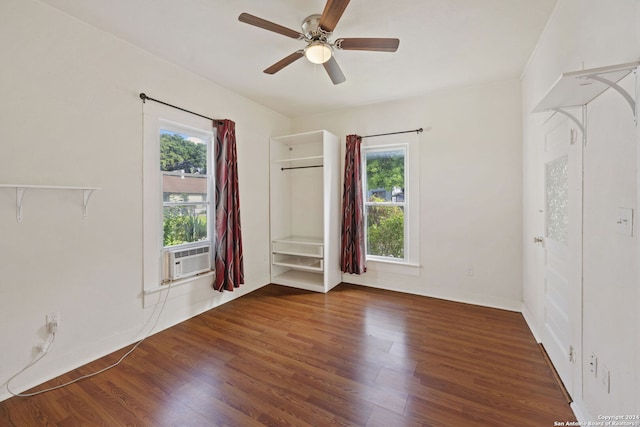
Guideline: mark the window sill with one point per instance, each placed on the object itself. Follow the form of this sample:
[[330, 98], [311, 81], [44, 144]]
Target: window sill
[[391, 261], [394, 267], [177, 283]]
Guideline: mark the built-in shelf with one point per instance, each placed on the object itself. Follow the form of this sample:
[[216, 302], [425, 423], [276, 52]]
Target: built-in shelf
[[298, 262], [294, 245], [578, 88], [300, 279], [21, 189], [300, 253], [298, 159]]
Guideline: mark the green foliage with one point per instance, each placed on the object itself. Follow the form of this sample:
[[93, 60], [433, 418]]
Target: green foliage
[[183, 227], [385, 231], [177, 153], [385, 224], [385, 171]]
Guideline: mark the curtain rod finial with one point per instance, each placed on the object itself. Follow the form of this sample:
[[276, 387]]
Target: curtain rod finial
[[143, 96]]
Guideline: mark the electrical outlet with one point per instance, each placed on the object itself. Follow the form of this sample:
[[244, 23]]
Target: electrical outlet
[[593, 365], [53, 322]]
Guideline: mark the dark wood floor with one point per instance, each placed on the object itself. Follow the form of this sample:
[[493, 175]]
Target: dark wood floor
[[353, 357]]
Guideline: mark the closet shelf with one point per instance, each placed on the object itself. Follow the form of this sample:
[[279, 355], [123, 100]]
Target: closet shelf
[[22, 188], [578, 88], [299, 247], [299, 262], [301, 279], [299, 239], [297, 253], [298, 159]]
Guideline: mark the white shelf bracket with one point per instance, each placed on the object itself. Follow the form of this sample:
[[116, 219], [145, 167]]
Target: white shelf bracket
[[620, 90], [86, 194], [571, 117], [19, 196]]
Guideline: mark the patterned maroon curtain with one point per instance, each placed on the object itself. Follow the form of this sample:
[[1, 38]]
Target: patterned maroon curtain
[[353, 258], [228, 256]]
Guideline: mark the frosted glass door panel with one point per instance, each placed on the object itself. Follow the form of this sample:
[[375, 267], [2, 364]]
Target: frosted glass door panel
[[557, 199]]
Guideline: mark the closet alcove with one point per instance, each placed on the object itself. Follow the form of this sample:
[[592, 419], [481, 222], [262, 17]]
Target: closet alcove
[[305, 198]]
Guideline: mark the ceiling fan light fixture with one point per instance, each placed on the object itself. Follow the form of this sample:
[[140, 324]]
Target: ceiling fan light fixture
[[318, 52]]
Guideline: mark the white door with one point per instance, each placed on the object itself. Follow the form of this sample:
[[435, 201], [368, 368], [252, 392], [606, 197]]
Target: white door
[[562, 242]]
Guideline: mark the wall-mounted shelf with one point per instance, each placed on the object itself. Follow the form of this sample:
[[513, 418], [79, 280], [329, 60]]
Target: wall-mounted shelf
[[21, 189], [578, 88]]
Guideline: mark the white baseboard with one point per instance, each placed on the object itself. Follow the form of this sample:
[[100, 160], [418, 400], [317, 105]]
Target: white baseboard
[[582, 414], [449, 295], [530, 319]]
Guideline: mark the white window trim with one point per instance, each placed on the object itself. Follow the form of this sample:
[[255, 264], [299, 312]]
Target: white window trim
[[412, 192], [155, 117], [385, 148]]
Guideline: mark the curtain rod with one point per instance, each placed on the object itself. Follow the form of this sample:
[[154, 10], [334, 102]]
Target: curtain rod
[[146, 98], [394, 133]]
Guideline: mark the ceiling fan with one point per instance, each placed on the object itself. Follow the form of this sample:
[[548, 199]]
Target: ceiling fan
[[316, 31]]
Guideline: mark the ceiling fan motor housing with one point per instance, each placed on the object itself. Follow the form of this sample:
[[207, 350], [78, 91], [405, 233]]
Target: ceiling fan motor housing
[[312, 30]]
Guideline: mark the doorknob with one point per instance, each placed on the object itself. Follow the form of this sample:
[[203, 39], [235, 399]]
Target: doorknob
[[539, 240]]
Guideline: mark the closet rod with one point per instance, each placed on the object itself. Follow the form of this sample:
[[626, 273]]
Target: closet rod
[[300, 167], [146, 98], [394, 133]]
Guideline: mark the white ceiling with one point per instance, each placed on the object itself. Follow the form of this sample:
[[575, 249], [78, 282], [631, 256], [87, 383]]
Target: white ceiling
[[443, 43]]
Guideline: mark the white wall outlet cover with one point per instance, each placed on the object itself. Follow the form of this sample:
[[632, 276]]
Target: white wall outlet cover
[[624, 221], [605, 378]]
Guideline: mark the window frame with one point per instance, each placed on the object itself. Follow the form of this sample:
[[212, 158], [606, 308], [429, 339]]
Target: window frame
[[404, 147], [155, 117], [411, 262], [179, 128]]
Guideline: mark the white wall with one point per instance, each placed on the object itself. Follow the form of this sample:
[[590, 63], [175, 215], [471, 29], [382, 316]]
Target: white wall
[[70, 115], [592, 33], [470, 190]]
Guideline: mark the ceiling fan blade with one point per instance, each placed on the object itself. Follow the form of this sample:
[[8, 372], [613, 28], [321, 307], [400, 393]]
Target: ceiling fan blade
[[331, 14], [268, 25], [284, 62], [378, 45], [334, 71]]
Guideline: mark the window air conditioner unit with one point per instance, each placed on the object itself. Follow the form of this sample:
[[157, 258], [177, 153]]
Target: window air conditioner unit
[[189, 262]]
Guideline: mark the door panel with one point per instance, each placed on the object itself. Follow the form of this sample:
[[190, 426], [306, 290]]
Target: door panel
[[562, 189]]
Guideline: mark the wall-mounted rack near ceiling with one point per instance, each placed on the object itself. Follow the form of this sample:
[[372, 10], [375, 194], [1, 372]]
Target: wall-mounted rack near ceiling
[[578, 88], [21, 189]]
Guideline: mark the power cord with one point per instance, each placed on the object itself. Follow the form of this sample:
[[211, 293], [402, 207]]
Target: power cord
[[45, 347]]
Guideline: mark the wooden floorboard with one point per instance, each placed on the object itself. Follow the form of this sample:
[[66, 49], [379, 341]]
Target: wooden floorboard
[[278, 356]]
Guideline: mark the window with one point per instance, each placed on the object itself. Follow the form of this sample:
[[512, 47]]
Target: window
[[186, 191], [385, 202], [178, 198]]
